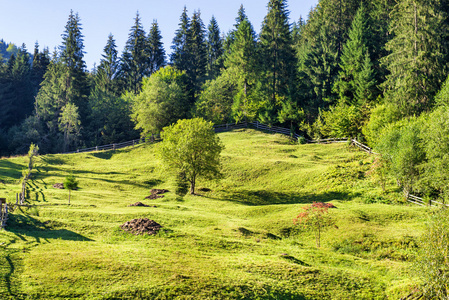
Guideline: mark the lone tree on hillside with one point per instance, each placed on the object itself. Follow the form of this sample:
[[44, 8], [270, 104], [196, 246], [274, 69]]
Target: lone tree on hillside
[[70, 183], [192, 148]]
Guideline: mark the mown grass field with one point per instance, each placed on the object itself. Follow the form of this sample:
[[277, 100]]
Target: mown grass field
[[236, 241]]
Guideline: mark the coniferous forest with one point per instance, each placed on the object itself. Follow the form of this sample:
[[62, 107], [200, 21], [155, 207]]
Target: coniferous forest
[[373, 70]]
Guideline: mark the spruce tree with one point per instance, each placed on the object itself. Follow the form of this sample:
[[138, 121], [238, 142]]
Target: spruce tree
[[180, 54], [278, 54], [197, 53], [156, 50], [109, 63], [135, 57], [355, 59], [106, 75], [242, 68], [41, 60], [416, 62], [72, 57], [214, 49]]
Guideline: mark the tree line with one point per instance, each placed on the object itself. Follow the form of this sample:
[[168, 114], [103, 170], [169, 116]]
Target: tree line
[[352, 68]]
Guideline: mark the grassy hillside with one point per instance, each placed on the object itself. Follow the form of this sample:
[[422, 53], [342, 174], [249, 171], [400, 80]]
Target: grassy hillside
[[234, 240]]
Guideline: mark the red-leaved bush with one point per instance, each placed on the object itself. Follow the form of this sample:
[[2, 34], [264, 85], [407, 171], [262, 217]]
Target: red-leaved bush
[[315, 217]]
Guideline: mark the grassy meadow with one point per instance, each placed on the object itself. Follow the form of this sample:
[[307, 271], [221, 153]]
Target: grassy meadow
[[235, 239]]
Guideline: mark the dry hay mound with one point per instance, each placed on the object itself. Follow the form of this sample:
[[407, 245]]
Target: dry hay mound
[[156, 193], [58, 186], [141, 226]]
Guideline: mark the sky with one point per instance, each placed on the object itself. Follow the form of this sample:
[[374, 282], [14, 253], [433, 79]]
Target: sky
[[31, 21]]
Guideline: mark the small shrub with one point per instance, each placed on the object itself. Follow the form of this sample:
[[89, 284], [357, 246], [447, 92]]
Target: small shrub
[[182, 186], [302, 140], [315, 217]]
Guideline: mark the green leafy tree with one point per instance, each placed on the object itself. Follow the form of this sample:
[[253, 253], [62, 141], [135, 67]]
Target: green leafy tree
[[315, 217], [431, 262], [215, 102], [191, 147], [70, 184], [163, 101], [435, 179], [400, 144]]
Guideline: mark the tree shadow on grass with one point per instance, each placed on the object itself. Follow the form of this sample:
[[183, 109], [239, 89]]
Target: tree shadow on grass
[[26, 226], [262, 197]]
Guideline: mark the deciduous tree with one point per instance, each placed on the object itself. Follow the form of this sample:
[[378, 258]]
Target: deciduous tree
[[191, 147]]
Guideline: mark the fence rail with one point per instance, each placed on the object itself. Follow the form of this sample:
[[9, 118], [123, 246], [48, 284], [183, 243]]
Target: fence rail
[[420, 201]]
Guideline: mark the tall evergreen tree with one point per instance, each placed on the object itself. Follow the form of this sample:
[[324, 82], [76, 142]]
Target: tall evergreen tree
[[106, 75], [197, 53], [278, 54], [180, 54], [416, 61], [135, 57], [214, 49], [155, 48], [41, 60], [72, 57], [354, 61], [242, 68]]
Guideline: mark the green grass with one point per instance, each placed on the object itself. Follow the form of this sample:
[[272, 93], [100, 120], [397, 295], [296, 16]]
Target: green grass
[[236, 241]]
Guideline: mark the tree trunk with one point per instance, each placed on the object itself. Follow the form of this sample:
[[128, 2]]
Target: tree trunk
[[69, 197], [192, 187]]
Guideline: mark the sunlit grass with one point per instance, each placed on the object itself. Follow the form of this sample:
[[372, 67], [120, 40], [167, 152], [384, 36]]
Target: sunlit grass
[[233, 240]]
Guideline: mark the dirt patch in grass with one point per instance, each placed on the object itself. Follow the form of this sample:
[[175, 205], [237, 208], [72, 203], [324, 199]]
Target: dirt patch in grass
[[141, 226], [141, 204], [156, 193], [58, 186]]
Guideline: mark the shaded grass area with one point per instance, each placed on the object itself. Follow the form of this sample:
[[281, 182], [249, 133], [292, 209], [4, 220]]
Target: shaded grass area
[[235, 239]]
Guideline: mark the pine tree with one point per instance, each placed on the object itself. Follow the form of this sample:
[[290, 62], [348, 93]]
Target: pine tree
[[214, 49], [416, 61], [354, 60], [135, 57], [278, 54], [155, 49], [106, 75], [241, 15], [197, 53], [242, 68], [41, 60], [180, 53], [72, 57]]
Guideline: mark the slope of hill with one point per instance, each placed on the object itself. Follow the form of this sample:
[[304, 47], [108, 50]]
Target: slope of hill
[[234, 240]]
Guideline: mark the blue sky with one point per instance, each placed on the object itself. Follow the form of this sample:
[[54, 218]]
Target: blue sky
[[28, 21]]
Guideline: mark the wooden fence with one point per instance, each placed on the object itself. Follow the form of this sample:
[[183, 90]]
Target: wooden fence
[[3, 212], [420, 201], [113, 146]]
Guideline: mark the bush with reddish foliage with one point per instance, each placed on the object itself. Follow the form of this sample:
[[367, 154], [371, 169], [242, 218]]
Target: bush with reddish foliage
[[316, 217]]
